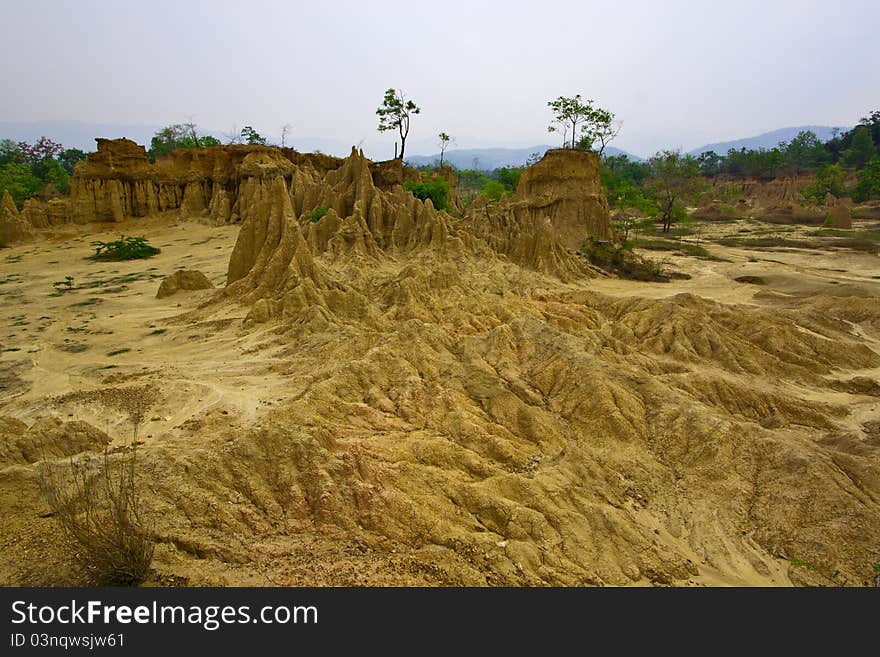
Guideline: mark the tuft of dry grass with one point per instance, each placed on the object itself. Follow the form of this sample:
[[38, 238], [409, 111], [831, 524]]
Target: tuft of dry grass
[[96, 503]]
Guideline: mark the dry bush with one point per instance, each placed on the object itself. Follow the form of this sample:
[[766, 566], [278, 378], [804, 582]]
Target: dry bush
[[95, 500]]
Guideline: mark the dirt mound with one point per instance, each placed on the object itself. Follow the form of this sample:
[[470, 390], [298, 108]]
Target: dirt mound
[[183, 279], [46, 439]]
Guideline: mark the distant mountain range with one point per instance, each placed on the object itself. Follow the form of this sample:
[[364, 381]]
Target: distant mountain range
[[493, 158], [768, 140]]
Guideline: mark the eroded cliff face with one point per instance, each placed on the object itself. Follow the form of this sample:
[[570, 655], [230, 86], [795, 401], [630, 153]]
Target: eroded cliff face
[[778, 200], [13, 228], [297, 233], [564, 187], [119, 182]]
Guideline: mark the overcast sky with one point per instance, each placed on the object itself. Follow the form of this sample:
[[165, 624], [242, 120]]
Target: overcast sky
[[678, 74]]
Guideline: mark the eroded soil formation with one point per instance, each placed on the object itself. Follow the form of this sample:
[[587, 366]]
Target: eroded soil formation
[[389, 394]]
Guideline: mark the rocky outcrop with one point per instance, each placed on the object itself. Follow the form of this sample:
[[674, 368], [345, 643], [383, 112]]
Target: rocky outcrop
[[564, 187], [339, 215], [292, 232], [777, 200], [183, 279], [119, 182], [13, 227]]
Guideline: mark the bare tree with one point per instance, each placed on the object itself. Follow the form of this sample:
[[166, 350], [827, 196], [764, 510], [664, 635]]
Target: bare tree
[[233, 136]]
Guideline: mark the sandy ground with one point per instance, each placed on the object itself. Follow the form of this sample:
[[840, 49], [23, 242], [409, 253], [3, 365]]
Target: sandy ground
[[204, 371]]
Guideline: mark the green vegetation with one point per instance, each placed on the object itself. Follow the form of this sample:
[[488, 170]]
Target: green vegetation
[[619, 259], [435, 189], [678, 246], [316, 214], [868, 185], [854, 149], [493, 190], [64, 286], [39, 169], [673, 182], [252, 137], [597, 124], [176, 137], [394, 114], [125, 248], [830, 179]]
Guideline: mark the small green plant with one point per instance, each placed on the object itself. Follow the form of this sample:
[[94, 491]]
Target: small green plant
[[125, 248], [64, 286], [316, 214]]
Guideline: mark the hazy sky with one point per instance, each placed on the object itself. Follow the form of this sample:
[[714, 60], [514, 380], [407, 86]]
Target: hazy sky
[[678, 74]]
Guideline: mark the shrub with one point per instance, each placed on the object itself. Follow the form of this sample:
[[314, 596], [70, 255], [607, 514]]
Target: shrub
[[437, 190], [96, 503], [125, 248], [620, 260], [830, 179], [493, 190], [316, 214], [868, 185]]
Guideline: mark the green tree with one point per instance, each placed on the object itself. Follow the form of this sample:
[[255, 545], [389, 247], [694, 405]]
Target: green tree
[[872, 121], [861, 149], [69, 157], [52, 172], [597, 124], [868, 185], [9, 152], [252, 137], [493, 190], [509, 177], [444, 144], [830, 179], [805, 152], [709, 163], [21, 182], [395, 113], [674, 181]]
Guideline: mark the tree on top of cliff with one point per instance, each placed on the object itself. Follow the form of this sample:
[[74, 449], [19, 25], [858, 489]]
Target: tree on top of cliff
[[597, 124], [252, 137], [394, 114], [177, 136]]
